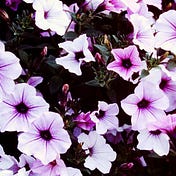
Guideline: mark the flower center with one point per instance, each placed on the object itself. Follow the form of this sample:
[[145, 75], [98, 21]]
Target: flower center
[[79, 55], [46, 14], [126, 63], [22, 108], [155, 132], [46, 135], [143, 104], [100, 114], [163, 84], [53, 163]]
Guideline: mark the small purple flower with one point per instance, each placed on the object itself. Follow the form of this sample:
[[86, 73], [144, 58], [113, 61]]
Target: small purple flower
[[127, 61], [100, 154], [84, 121], [46, 139], [13, 4], [105, 118], [21, 107], [154, 140], [78, 52], [165, 37], [146, 105]]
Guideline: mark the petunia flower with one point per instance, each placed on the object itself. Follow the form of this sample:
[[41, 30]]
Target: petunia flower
[[56, 167], [146, 105], [168, 126], [10, 69], [84, 121], [154, 140], [100, 154], [50, 14], [127, 61], [78, 52], [165, 37], [105, 117], [142, 11], [46, 139], [21, 107], [143, 33], [164, 82], [6, 161], [6, 173], [26, 161]]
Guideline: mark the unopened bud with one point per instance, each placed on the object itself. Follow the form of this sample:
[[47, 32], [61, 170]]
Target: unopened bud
[[107, 42], [44, 51], [65, 88], [4, 16], [126, 166], [99, 58]]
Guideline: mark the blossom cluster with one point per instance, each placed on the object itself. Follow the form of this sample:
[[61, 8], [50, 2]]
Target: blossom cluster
[[88, 87]]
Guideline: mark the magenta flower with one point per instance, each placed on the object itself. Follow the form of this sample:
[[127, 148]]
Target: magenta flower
[[100, 154], [127, 61], [51, 15], [21, 106], [145, 105], [168, 125], [84, 121], [154, 140], [78, 52], [105, 118], [46, 139], [165, 37], [143, 34], [10, 69]]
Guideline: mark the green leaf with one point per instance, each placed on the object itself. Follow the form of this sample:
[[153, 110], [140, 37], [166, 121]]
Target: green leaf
[[104, 51], [55, 84], [70, 35], [24, 57], [51, 62], [93, 83]]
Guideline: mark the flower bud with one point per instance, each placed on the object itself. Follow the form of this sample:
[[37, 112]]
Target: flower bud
[[4, 16]]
